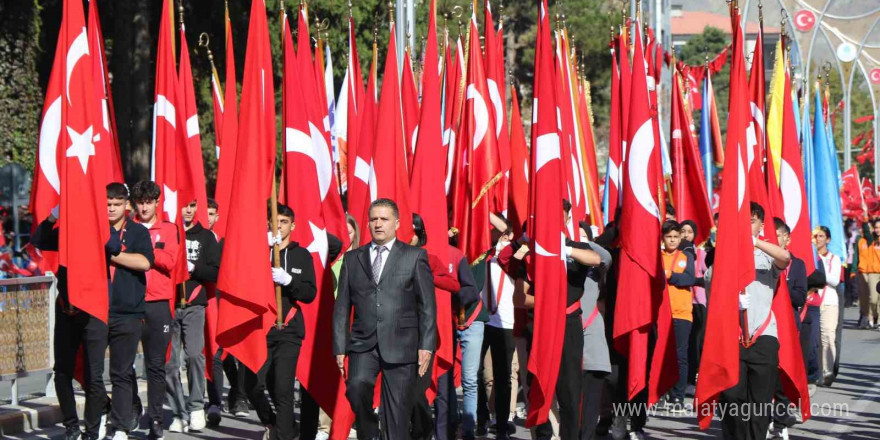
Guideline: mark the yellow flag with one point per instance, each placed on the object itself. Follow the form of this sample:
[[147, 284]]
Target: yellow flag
[[774, 115]]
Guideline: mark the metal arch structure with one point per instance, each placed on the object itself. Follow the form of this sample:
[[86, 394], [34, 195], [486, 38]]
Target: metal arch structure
[[863, 61]]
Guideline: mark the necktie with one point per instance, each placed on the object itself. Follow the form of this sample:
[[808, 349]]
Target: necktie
[[377, 263]]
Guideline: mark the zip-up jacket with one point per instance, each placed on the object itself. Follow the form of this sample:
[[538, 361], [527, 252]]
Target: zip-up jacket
[[166, 238], [203, 251], [297, 262]]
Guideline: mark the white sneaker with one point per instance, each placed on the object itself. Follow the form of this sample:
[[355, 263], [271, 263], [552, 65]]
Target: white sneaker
[[102, 428], [322, 436], [178, 425], [197, 420], [120, 435], [618, 428], [269, 434], [637, 435]]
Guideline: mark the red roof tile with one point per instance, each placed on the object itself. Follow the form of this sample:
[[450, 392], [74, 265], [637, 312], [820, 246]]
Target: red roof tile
[[694, 22]]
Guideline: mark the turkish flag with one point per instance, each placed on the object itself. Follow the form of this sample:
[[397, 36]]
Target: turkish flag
[[688, 182], [454, 90], [410, 101], [192, 142], [571, 142], [495, 76], [229, 137], [642, 283], [546, 229], [347, 115], [615, 143], [758, 96], [361, 162], [477, 160], [113, 160], [389, 178], [518, 205], [73, 144], [314, 100], [719, 367], [247, 301], [427, 189]]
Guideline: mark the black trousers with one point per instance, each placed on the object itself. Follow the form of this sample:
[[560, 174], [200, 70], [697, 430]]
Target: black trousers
[[568, 386], [155, 337], [277, 376], [682, 328], [591, 402], [753, 394], [234, 374], [396, 407], [500, 342], [422, 418], [309, 411], [124, 335], [695, 343], [446, 408], [71, 333]]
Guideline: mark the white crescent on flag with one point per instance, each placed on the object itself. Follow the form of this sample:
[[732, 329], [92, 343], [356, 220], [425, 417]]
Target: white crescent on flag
[[791, 194], [49, 133], [323, 161], [78, 49], [481, 115], [637, 166], [495, 97]]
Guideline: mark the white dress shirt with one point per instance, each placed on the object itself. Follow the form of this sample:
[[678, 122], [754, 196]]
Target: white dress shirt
[[373, 253]]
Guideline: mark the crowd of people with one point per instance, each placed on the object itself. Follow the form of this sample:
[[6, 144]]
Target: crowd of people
[[385, 320]]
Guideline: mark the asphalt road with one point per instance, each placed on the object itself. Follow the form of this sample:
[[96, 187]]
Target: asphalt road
[[850, 409]]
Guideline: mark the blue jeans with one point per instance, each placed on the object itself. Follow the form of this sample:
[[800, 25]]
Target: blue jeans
[[471, 340]]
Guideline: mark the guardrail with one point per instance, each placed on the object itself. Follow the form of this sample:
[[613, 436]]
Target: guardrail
[[27, 320]]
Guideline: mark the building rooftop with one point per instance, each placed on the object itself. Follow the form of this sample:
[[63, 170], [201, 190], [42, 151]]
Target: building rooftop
[[694, 22]]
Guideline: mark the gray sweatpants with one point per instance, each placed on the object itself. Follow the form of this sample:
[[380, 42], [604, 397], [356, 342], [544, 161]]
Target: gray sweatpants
[[188, 326]]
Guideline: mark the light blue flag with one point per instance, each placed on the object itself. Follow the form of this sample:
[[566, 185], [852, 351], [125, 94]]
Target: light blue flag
[[706, 139], [826, 186]]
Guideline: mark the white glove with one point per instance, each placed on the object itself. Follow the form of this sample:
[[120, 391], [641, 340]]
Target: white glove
[[754, 241], [273, 240], [190, 267], [745, 300], [568, 250], [280, 276]]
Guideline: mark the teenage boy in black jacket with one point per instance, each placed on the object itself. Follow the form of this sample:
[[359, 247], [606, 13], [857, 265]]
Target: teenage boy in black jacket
[[127, 304], [296, 276], [188, 326], [129, 255]]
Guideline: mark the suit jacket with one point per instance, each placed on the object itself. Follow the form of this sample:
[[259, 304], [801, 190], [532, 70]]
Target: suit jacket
[[397, 312], [797, 282]]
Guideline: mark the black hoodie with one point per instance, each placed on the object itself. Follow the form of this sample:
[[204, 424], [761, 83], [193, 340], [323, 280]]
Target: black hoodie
[[203, 251]]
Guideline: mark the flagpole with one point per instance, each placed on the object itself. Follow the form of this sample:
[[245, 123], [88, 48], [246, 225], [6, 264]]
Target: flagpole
[[182, 287], [273, 207]]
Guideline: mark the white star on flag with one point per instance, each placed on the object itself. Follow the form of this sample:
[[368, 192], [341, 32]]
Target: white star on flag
[[170, 203], [319, 243], [81, 146]]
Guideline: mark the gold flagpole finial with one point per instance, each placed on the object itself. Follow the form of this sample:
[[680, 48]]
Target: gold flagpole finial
[[391, 12], [180, 13], [350, 10]]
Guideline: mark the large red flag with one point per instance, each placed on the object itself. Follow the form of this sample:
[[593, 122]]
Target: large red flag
[[113, 159], [477, 159], [495, 75], [228, 138], [166, 119], [192, 141], [453, 93], [642, 284], [758, 97], [428, 190], [719, 367], [347, 115], [247, 302], [389, 178], [170, 165], [361, 147], [688, 184], [315, 100], [71, 150], [518, 206], [571, 168], [615, 141], [546, 230], [410, 102], [302, 179]]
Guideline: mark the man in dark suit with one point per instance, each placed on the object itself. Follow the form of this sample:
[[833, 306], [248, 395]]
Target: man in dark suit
[[389, 286]]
